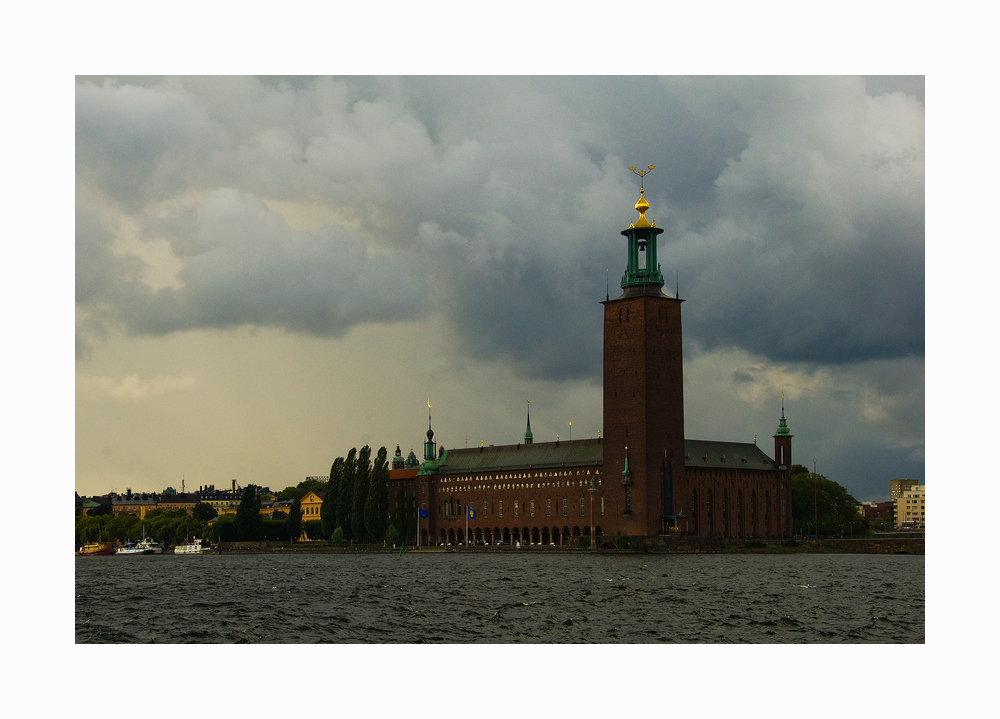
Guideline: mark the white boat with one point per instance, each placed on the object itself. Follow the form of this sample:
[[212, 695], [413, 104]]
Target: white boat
[[148, 543], [192, 547], [131, 548]]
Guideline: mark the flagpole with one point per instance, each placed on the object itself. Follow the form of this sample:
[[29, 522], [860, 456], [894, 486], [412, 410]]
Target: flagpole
[[466, 525]]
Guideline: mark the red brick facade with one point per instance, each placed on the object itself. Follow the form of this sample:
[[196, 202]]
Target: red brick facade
[[551, 492], [644, 405]]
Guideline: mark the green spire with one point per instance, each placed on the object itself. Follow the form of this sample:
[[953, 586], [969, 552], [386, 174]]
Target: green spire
[[528, 436], [626, 473], [782, 430]]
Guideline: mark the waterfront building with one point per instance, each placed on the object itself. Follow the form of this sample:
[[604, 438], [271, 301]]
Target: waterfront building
[[910, 508], [898, 486], [137, 505], [311, 503], [643, 478]]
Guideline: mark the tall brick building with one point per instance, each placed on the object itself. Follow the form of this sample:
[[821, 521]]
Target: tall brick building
[[643, 478]]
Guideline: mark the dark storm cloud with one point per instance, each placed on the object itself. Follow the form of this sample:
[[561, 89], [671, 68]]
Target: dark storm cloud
[[793, 208]]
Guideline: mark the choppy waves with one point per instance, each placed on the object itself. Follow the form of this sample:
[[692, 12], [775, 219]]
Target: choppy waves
[[500, 598]]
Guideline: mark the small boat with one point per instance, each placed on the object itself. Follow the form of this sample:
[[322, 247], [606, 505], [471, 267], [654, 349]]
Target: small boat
[[131, 548], [97, 549], [189, 547], [148, 543]]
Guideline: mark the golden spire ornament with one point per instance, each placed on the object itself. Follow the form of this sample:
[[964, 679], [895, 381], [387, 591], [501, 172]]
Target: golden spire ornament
[[642, 205]]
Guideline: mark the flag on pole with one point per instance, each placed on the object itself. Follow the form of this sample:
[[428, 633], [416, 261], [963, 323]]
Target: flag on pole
[[423, 512], [472, 513]]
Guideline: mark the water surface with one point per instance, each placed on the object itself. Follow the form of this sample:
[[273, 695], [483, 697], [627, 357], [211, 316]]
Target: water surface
[[500, 598]]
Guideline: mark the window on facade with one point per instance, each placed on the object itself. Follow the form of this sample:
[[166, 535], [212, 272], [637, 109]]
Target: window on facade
[[532, 507], [548, 507], [582, 507], [500, 508], [602, 506], [516, 507], [485, 506], [565, 507]]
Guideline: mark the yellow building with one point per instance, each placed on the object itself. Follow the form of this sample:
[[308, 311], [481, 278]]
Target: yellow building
[[910, 508], [310, 504]]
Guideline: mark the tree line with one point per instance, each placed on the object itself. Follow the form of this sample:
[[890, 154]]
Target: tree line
[[816, 497], [355, 501], [170, 527]]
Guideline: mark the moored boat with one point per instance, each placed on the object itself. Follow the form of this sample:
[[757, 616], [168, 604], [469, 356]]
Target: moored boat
[[97, 549], [148, 543], [131, 548], [189, 547]]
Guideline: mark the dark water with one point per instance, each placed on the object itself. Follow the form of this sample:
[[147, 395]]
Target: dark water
[[501, 598]]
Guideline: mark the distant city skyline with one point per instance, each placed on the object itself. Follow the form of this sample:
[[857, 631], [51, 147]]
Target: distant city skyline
[[271, 271]]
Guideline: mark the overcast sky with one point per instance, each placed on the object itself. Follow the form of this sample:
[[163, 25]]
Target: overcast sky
[[271, 271]]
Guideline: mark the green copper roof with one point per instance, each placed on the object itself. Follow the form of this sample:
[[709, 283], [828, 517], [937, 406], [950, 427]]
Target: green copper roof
[[723, 455], [541, 455], [587, 453], [782, 430]]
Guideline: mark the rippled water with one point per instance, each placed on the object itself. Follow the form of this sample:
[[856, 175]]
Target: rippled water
[[500, 598]]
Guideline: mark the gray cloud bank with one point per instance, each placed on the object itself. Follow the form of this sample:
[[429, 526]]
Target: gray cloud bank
[[793, 209]]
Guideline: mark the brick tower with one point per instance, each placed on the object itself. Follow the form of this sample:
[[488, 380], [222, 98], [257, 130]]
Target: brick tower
[[643, 390]]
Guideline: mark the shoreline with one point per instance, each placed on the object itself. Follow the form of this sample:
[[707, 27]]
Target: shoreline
[[893, 545]]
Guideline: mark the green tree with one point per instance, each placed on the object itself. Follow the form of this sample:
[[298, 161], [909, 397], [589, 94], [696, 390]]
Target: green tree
[[337, 539], [249, 523], [392, 535], [837, 509], [313, 529], [204, 512], [300, 490], [361, 478], [345, 496], [123, 527], [377, 501], [404, 516], [223, 529], [328, 510], [294, 520]]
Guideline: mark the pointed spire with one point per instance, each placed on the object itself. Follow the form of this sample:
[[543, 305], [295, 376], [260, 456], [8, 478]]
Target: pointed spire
[[429, 445], [782, 425], [529, 438]]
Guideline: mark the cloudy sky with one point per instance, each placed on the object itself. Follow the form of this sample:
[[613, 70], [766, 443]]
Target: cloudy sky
[[270, 271]]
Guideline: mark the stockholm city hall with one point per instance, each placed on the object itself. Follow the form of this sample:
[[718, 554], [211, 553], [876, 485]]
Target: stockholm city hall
[[641, 479]]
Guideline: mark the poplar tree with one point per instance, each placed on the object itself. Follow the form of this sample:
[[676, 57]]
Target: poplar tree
[[345, 495], [249, 524], [361, 472], [377, 501], [294, 521], [328, 510]]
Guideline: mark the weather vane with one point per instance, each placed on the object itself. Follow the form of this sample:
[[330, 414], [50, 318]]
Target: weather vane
[[642, 173]]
